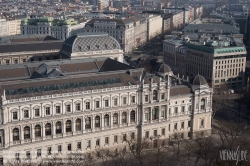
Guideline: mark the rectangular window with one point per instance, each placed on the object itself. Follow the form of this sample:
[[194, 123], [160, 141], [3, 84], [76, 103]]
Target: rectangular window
[[59, 147], [26, 113], [175, 126], [176, 110], [146, 98], [162, 96], [133, 135], [69, 147], [124, 138], [133, 99], [169, 127], [97, 142], [28, 154], [97, 104], [68, 109], [189, 108], [202, 122], [88, 143], [24, 60], [182, 125], [37, 112], [47, 109], [7, 62], [162, 114], [78, 106], [162, 131], [124, 100], [106, 103], [155, 133], [79, 145], [39, 153], [183, 109], [49, 150], [17, 156], [146, 134], [14, 115], [87, 105], [58, 109], [189, 123], [106, 140], [146, 117], [115, 139], [115, 102]]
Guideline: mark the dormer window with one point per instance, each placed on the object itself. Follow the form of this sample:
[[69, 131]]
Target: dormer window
[[80, 48], [88, 47], [114, 45], [106, 46], [97, 46]]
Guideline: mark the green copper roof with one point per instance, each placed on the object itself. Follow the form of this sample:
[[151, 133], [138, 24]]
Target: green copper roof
[[46, 19], [216, 50]]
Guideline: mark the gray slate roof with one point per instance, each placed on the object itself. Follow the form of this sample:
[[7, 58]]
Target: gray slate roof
[[88, 42]]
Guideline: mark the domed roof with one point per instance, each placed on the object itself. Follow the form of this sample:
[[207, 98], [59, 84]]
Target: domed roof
[[89, 42], [199, 80], [164, 68]]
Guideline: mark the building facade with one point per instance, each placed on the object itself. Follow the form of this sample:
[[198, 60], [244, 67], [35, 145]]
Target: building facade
[[9, 27], [97, 108], [154, 26], [130, 32], [60, 29]]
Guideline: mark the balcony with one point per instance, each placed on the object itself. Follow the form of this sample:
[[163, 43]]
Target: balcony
[[38, 139], [16, 142], [107, 127], [27, 140], [58, 135], [115, 126], [69, 133]]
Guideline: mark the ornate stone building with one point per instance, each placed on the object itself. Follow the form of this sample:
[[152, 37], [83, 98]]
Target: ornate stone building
[[81, 105]]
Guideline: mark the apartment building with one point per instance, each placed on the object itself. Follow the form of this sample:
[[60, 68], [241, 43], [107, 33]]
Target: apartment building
[[130, 32], [83, 105], [174, 54], [219, 62], [60, 29], [220, 59], [9, 27], [154, 26]]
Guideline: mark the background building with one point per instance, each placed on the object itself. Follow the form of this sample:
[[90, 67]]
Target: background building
[[60, 29]]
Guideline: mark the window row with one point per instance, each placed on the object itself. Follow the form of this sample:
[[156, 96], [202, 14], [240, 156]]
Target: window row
[[69, 128]]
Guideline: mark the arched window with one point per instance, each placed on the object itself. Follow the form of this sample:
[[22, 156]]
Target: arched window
[[132, 116], [48, 129], [97, 121], [27, 132], [15, 134], [202, 104], [38, 131], [78, 125], [155, 95], [124, 117], [106, 120], [68, 126], [58, 128], [88, 123], [115, 119]]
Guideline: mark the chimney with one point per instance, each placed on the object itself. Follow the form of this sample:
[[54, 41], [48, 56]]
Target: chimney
[[99, 6], [110, 3], [142, 2]]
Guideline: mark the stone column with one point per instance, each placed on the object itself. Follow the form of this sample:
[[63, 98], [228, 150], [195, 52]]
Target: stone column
[[20, 113], [42, 110], [93, 122], [102, 121], [21, 134], [43, 130], [128, 116], [63, 110], [52, 109], [63, 128], [73, 126], [83, 125], [72, 106], [31, 111], [33, 132]]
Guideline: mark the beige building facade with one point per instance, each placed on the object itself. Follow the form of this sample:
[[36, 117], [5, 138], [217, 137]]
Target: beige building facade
[[99, 107]]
